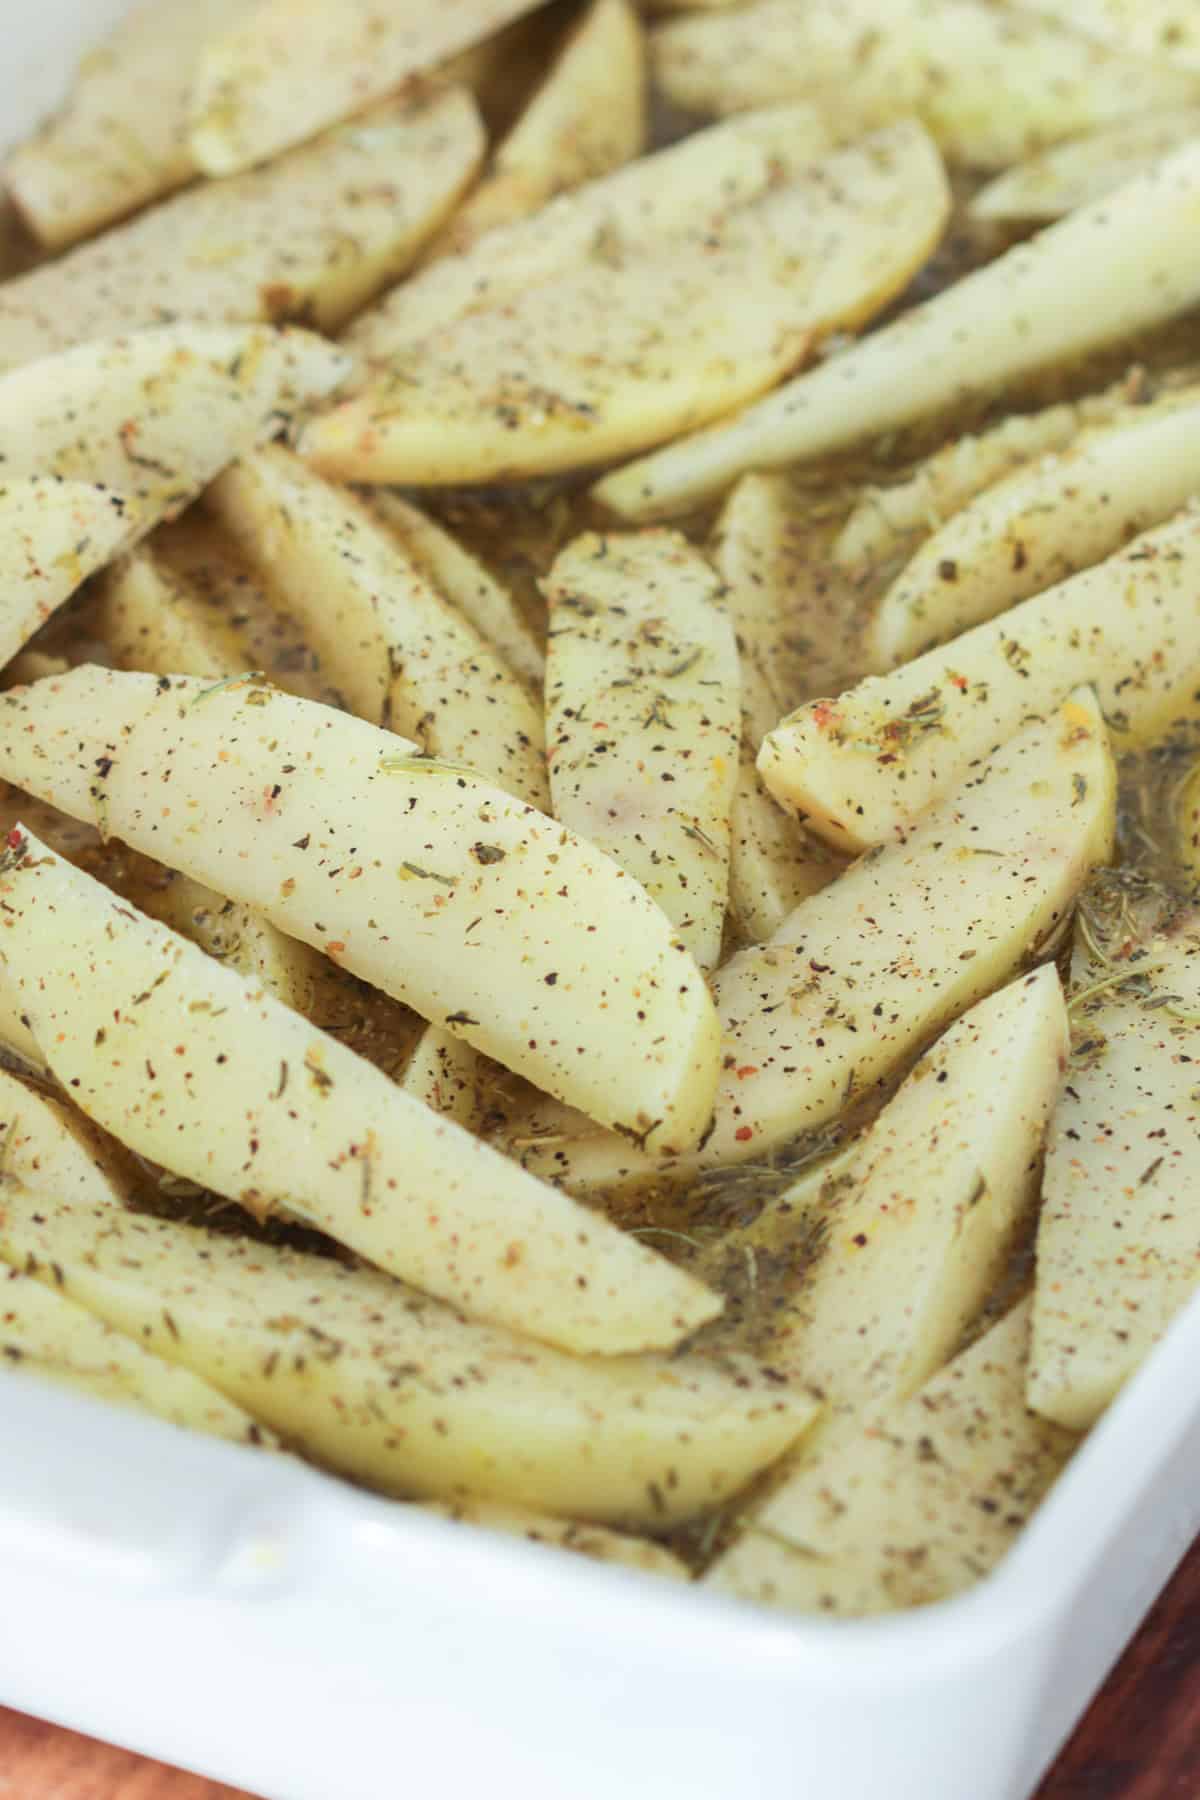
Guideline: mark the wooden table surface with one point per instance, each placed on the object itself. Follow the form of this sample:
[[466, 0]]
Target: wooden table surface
[[1140, 1740]]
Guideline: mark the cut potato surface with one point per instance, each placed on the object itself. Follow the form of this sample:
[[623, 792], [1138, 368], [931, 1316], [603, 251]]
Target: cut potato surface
[[1086, 168], [53, 535], [313, 237], [1121, 265], [1059, 514], [480, 912], [913, 1504], [288, 68], [1166, 29], [383, 634], [188, 1064], [1118, 1250], [398, 1390], [594, 1541], [580, 369], [643, 719], [862, 769], [864, 973]]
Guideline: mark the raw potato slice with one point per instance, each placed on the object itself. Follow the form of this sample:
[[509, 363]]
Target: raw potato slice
[[866, 972], [292, 67], [463, 581], [155, 416], [1039, 525], [992, 83], [587, 118], [435, 886], [593, 1541], [443, 1073], [53, 535], [49, 1149], [915, 1504], [1085, 169], [642, 719], [399, 1391], [383, 634], [693, 184], [581, 369], [862, 769], [1125, 263], [188, 1064], [313, 237], [1118, 1250], [48, 1335], [1168, 29], [120, 139]]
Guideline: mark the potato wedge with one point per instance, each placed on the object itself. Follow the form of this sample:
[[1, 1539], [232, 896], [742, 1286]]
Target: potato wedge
[[1118, 1253], [188, 1064], [462, 580], [288, 68], [1166, 29], [49, 1148], [913, 1505], [53, 535], [47, 1335], [1085, 169], [643, 719], [587, 118], [384, 635], [120, 139], [993, 83], [155, 416], [443, 1074], [430, 883], [1113, 268], [580, 369], [593, 1541], [1061, 513], [399, 1391], [866, 972], [863, 768], [312, 237]]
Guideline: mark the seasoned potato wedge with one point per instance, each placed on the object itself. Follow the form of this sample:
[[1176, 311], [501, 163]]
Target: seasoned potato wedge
[[993, 83], [614, 1547], [121, 138], [383, 633], [864, 973], [288, 68], [188, 1064], [1165, 29], [643, 720], [1118, 1254], [863, 768], [579, 369], [312, 237], [587, 118], [398, 1390], [1087, 168], [1113, 268], [49, 1148], [483, 914], [53, 535], [1059, 514], [913, 1504]]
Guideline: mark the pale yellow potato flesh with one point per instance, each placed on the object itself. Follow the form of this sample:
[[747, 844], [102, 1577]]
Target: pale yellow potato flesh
[[864, 768], [1117, 1253], [992, 83], [865, 973], [190, 1065], [443, 1073], [616, 1548], [580, 369], [50, 1149], [289, 68], [913, 1504], [157, 415], [587, 118], [1061, 513], [383, 633], [480, 912], [53, 535], [121, 137], [462, 580], [1165, 29], [314, 237], [643, 718], [1119, 266], [399, 1391], [1086, 168]]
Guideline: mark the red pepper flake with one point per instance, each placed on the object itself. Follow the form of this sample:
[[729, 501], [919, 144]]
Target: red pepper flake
[[744, 1133], [334, 947], [960, 682], [745, 1070], [824, 715], [14, 840]]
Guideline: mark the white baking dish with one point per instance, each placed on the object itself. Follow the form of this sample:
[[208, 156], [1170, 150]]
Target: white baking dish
[[259, 1623]]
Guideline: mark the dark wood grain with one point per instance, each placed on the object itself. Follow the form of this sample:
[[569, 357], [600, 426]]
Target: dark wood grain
[[1139, 1741]]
